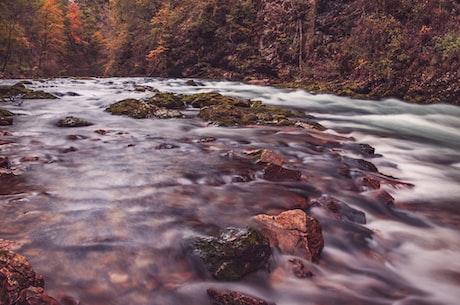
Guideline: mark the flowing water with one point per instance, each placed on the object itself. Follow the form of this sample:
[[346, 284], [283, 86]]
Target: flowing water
[[104, 215]]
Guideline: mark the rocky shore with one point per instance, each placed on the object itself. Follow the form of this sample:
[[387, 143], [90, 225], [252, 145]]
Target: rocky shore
[[293, 228]]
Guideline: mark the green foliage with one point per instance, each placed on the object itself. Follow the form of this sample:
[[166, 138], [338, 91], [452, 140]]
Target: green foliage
[[448, 46]]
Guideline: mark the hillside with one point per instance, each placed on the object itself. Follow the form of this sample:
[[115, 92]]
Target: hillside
[[371, 49]]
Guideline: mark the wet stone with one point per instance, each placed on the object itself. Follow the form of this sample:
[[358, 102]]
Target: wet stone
[[268, 156], [5, 162], [275, 172], [228, 297], [6, 117], [360, 164], [299, 270], [340, 210], [293, 232], [232, 255], [71, 121]]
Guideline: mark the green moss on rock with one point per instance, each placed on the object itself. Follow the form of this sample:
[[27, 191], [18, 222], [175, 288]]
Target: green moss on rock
[[166, 100], [234, 254], [142, 110], [71, 121], [132, 108], [18, 89]]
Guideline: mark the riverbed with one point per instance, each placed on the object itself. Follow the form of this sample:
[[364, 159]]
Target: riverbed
[[102, 211]]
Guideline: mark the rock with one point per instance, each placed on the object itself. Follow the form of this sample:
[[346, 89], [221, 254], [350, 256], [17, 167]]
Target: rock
[[340, 210], [166, 100], [16, 277], [268, 156], [132, 108], [35, 296], [363, 149], [228, 297], [234, 254], [164, 113], [366, 182], [275, 172], [6, 117], [19, 90], [5, 162], [142, 110], [71, 121], [293, 232], [360, 164], [298, 269]]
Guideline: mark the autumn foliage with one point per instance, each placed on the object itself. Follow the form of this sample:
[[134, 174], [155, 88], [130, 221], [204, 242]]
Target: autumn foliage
[[370, 48]]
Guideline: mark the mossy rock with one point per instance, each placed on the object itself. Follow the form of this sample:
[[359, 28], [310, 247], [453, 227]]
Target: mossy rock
[[6, 117], [235, 253], [201, 100], [142, 110], [232, 111], [166, 100], [19, 89], [132, 108], [72, 121]]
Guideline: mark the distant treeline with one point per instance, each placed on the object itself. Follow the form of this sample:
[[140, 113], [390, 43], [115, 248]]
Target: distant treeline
[[407, 48]]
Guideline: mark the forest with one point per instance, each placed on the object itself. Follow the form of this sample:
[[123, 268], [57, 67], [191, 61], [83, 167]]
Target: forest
[[363, 48]]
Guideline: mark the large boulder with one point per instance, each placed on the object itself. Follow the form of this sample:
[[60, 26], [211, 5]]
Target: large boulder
[[293, 232], [142, 109], [235, 253], [19, 283]]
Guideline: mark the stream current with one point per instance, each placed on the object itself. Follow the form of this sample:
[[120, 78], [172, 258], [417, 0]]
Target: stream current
[[103, 215]]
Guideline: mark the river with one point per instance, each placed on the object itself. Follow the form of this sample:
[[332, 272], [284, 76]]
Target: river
[[103, 215]]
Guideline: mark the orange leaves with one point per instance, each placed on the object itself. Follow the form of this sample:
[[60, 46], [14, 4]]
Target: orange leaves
[[75, 23], [153, 54]]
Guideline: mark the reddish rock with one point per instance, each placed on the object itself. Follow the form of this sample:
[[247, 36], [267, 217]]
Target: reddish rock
[[19, 284], [293, 232], [30, 159], [275, 172], [101, 131], [35, 296], [384, 197], [227, 297], [268, 156], [367, 182]]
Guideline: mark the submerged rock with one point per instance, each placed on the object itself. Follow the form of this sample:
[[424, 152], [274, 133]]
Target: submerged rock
[[359, 164], [228, 297], [234, 254], [293, 232], [5, 162], [19, 283], [340, 210], [71, 121]]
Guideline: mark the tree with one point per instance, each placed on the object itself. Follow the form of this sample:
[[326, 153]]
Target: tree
[[13, 18], [50, 37]]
